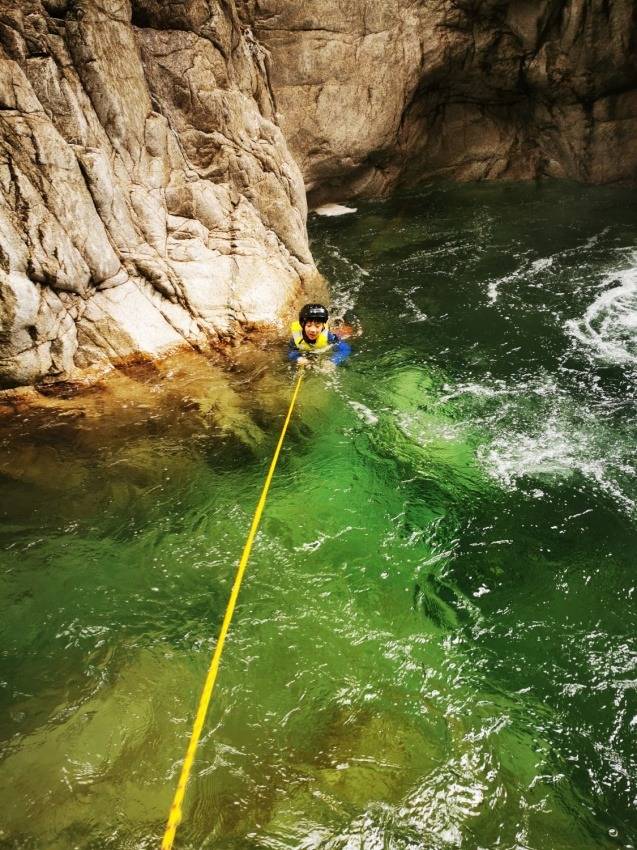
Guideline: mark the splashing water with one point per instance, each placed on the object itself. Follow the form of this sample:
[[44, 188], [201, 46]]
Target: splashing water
[[609, 325], [435, 643]]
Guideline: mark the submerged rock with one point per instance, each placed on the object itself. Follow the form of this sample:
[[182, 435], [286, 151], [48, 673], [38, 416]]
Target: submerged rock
[[120, 438]]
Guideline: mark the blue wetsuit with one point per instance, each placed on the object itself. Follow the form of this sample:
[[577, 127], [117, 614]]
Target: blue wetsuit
[[341, 350]]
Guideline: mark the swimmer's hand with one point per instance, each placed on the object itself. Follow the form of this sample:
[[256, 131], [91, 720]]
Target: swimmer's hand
[[302, 361]]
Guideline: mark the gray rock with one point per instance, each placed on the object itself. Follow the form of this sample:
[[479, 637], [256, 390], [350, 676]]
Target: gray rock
[[148, 200], [155, 157], [373, 95]]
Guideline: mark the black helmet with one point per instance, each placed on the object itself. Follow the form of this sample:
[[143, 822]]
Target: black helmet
[[313, 312]]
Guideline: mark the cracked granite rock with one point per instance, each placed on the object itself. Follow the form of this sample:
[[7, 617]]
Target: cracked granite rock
[[372, 95], [148, 198], [155, 155]]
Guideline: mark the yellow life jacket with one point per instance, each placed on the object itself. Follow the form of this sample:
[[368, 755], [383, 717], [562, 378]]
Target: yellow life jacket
[[322, 341]]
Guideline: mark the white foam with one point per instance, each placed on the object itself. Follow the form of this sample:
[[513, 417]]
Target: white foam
[[415, 314], [537, 267], [512, 456], [334, 209], [346, 286], [494, 285], [593, 240], [537, 429], [324, 537], [499, 388], [541, 265], [364, 413], [560, 450], [609, 325]]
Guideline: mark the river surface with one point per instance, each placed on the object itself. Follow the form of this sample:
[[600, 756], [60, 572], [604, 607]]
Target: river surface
[[435, 644]]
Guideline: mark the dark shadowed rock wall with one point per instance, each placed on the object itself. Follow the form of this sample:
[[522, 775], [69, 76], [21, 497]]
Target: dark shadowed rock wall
[[371, 95]]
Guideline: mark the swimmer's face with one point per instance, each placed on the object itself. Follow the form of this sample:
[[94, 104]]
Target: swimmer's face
[[313, 329]]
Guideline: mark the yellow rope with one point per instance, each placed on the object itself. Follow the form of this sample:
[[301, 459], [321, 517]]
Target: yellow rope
[[174, 818]]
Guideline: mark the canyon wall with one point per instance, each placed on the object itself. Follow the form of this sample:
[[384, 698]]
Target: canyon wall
[[155, 156], [148, 198], [373, 95]]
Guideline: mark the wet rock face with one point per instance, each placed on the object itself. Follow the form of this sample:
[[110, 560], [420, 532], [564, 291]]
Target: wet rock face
[[148, 198], [371, 95], [150, 189]]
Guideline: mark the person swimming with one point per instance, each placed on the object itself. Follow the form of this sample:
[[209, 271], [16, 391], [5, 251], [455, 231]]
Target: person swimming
[[311, 335]]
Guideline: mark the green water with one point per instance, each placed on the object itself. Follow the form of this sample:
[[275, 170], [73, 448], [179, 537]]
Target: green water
[[435, 642]]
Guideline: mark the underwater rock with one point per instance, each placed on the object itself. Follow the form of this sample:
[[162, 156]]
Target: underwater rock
[[72, 438], [88, 747]]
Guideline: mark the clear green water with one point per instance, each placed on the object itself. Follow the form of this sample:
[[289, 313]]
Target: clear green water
[[435, 643]]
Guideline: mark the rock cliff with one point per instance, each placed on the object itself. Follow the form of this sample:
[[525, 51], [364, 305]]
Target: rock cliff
[[373, 95], [148, 198], [153, 154]]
